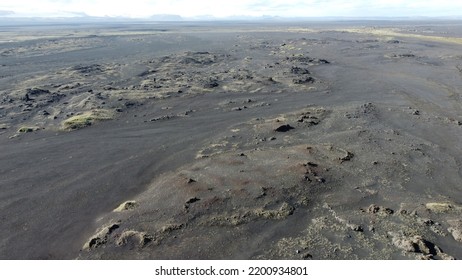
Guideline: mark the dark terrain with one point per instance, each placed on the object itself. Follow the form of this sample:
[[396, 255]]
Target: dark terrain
[[231, 141]]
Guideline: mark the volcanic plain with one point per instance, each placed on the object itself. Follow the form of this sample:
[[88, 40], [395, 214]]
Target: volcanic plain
[[315, 140]]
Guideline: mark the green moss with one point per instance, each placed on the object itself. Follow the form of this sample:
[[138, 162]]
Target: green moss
[[86, 119], [439, 207]]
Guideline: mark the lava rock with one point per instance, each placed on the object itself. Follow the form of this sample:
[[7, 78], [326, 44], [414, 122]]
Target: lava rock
[[284, 128]]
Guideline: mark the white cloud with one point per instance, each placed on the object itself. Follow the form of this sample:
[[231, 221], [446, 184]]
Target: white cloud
[[142, 8]]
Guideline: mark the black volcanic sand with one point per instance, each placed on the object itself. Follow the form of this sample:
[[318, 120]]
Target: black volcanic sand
[[231, 141]]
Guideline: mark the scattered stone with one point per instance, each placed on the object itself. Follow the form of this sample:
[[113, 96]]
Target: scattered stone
[[456, 229], [307, 60], [129, 104], [211, 84], [284, 211], [162, 118], [37, 91], [307, 256], [133, 237], [310, 120], [299, 71], [284, 128], [415, 244], [374, 209], [171, 228], [186, 113], [357, 228], [27, 98], [26, 129], [368, 108], [312, 164], [146, 73], [125, 206], [101, 237], [427, 257], [320, 179], [406, 55], [446, 257], [192, 200], [109, 87], [88, 69], [198, 58], [347, 157], [426, 222], [305, 80], [387, 211]]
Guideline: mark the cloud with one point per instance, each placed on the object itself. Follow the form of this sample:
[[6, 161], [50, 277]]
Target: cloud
[[145, 8], [6, 13], [305, 8], [357, 7]]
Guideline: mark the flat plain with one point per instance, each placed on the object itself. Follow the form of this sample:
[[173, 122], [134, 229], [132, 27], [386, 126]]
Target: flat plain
[[232, 140]]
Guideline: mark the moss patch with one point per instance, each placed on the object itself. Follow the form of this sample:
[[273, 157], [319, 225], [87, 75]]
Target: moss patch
[[86, 119], [391, 33], [439, 207]]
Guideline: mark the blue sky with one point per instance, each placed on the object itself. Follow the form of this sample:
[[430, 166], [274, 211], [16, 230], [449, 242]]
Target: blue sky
[[217, 8]]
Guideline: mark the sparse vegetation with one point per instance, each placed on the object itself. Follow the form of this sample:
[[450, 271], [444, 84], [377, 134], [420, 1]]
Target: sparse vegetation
[[86, 119], [387, 32]]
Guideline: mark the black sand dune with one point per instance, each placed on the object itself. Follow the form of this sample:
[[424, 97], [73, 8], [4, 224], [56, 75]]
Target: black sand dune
[[320, 141]]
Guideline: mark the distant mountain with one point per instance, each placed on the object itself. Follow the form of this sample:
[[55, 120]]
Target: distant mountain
[[201, 18], [6, 13], [74, 14], [235, 18], [12, 18], [166, 17], [252, 18]]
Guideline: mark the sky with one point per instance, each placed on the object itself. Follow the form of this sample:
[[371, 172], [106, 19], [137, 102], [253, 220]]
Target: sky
[[218, 8]]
